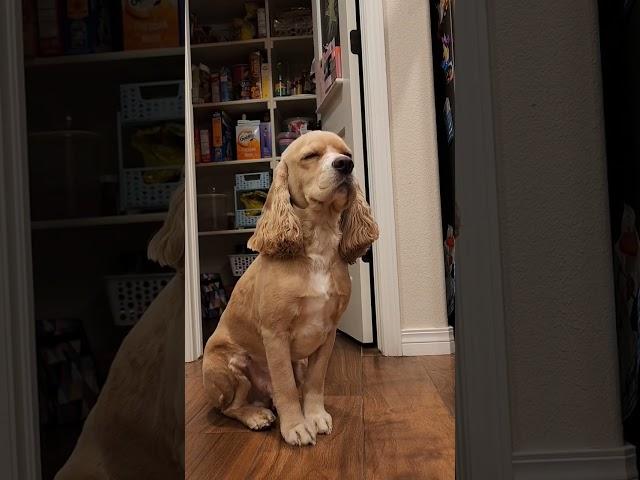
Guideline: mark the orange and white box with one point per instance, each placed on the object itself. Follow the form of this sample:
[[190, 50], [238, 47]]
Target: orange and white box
[[150, 24]]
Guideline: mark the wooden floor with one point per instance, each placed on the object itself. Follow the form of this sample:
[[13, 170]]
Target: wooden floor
[[393, 418]]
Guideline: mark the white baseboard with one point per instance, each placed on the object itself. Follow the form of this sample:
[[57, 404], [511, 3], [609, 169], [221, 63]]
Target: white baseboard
[[427, 341], [600, 464]]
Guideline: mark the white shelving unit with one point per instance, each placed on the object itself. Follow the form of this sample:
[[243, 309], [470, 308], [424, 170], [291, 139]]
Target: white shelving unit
[[71, 101], [98, 221], [218, 177], [237, 231], [104, 57]]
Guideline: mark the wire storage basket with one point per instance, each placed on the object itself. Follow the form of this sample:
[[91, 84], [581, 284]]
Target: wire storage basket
[[131, 295], [152, 101], [250, 184], [240, 263], [253, 181], [139, 194]]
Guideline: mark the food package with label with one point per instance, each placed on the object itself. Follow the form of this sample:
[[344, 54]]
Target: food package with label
[[150, 24], [248, 139], [222, 137]]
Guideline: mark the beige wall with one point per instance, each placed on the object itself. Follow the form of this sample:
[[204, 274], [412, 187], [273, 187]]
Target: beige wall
[[554, 232], [415, 163]]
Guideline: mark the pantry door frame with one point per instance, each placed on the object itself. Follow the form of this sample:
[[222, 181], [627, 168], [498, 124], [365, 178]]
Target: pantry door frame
[[193, 345], [381, 194], [19, 443]]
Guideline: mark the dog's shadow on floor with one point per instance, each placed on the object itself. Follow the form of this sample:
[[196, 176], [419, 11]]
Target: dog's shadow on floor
[[216, 422]]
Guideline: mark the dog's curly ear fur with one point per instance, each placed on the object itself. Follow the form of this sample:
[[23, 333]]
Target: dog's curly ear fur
[[167, 245], [279, 231], [359, 229]]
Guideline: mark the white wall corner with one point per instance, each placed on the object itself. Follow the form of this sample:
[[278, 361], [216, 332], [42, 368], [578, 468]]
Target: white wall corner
[[598, 464], [427, 341]]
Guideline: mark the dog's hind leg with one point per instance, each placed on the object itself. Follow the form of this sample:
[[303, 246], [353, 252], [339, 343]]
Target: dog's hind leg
[[228, 389]]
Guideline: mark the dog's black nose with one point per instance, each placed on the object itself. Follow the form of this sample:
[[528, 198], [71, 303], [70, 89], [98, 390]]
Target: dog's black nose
[[343, 164]]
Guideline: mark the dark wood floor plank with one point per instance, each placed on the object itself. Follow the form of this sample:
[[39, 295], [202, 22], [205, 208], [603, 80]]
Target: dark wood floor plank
[[222, 455], [194, 399], [335, 456], [344, 374], [441, 370], [409, 432]]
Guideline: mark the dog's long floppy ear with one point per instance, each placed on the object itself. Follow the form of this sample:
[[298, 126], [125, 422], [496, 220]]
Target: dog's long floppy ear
[[359, 229], [279, 231], [167, 245]]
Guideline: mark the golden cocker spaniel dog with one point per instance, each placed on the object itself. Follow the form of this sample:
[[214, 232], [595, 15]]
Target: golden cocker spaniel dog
[[278, 330]]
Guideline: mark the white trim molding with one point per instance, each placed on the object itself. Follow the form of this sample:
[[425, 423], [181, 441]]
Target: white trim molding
[[376, 107], [427, 341], [192, 314], [597, 464]]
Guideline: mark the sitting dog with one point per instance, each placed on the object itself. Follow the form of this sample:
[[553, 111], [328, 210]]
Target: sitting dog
[[279, 327]]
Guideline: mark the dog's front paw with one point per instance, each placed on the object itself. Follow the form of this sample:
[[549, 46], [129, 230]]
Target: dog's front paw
[[260, 419], [321, 420], [302, 433]]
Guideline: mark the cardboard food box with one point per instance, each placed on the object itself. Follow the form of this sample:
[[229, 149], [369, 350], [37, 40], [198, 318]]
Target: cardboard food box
[[87, 26], [248, 139], [205, 146], [150, 24], [222, 135], [49, 14]]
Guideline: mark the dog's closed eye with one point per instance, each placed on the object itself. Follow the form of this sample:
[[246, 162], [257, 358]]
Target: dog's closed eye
[[310, 155]]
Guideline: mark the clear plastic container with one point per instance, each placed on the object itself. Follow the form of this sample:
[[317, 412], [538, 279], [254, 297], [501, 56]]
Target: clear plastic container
[[212, 212], [284, 140], [65, 169]]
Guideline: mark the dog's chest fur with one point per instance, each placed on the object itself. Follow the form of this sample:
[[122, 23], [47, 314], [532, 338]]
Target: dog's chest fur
[[318, 308], [320, 302]]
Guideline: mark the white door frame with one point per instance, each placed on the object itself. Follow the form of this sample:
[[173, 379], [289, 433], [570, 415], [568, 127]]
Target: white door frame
[[483, 430], [192, 309], [385, 265], [19, 435], [378, 139]]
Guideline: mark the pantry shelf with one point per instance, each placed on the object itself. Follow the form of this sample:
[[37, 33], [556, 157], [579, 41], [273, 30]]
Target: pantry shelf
[[285, 48], [232, 163], [225, 51], [234, 106], [238, 231], [294, 38], [295, 105], [305, 97], [333, 91], [104, 57], [98, 221]]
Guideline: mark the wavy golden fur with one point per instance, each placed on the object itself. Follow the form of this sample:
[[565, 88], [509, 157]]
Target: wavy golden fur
[[279, 231]]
